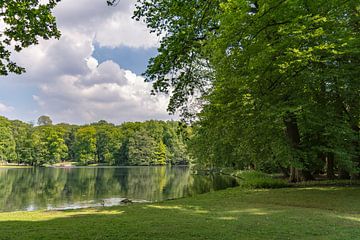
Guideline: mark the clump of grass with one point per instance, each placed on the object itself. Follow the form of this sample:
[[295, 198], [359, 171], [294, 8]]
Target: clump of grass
[[255, 179]]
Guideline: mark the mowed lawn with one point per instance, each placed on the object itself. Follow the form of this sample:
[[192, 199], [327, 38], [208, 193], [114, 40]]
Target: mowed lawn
[[289, 213]]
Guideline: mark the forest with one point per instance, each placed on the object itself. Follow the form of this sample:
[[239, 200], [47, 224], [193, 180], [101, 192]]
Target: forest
[[132, 143]]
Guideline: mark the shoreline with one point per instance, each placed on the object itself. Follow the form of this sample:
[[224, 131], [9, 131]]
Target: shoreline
[[126, 202], [85, 166], [14, 166]]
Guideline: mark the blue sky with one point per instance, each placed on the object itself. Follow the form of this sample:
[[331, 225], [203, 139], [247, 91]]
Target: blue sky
[[134, 59], [93, 72]]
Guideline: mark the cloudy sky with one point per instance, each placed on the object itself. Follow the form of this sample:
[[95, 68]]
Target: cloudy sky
[[93, 72]]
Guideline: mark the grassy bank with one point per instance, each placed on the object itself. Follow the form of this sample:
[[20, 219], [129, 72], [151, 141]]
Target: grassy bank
[[14, 166], [258, 180], [287, 213]]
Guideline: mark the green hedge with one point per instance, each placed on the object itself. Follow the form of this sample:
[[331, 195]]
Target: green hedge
[[254, 179]]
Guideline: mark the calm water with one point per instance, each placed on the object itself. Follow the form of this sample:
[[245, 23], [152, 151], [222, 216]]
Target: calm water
[[67, 188]]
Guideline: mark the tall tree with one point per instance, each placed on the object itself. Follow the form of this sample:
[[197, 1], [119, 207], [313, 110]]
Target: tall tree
[[181, 67], [282, 73], [7, 142], [44, 121], [108, 142], [141, 149], [85, 145], [24, 146], [55, 143]]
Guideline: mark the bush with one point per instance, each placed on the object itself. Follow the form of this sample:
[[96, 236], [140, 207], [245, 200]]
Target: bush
[[254, 179]]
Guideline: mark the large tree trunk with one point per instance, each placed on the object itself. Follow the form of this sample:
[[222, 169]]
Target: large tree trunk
[[330, 166], [343, 174], [294, 175], [307, 175], [285, 171], [298, 175], [356, 144], [293, 134], [329, 161]]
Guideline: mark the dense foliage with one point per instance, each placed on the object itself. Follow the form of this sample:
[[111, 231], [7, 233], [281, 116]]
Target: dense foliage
[[281, 81], [147, 143]]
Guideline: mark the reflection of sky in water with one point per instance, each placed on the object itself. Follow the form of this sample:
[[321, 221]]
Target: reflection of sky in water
[[71, 188]]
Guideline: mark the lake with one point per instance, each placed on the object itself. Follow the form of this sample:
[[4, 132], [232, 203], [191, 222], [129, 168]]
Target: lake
[[70, 188]]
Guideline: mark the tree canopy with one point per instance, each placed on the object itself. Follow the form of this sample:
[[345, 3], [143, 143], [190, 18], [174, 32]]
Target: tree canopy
[[147, 143], [279, 80], [44, 120]]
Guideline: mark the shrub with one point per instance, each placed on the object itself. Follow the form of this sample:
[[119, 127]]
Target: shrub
[[255, 179]]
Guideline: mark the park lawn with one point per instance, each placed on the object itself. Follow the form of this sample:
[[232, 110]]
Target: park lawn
[[287, 213]]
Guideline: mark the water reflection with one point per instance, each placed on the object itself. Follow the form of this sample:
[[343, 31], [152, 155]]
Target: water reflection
[[64, 188]]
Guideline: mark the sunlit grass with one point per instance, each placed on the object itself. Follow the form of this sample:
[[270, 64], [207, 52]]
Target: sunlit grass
[[351, 218], [287, 213], [190, 209], [50, 215]]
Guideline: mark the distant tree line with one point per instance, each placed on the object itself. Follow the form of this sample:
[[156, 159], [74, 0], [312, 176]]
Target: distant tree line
[[133, 143]]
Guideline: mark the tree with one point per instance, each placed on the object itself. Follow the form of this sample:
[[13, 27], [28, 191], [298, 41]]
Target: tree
[[48, 145], [281, 73], [160, 154], [175, 138], [181, 66], [152, 143], [24, 146], [282, 63], [24, 22], [108, 142], [85, 145], [55, 143], [44, 121], [141, 149], [40, 150], [147, 143], [69, 138], [7, 142]]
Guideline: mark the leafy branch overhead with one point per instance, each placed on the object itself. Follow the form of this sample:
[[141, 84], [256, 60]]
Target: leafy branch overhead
[[23, 23], [182, 66], [113, 3]]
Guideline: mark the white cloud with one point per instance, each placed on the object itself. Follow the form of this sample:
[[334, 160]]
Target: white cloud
[[116, 31], [104, 92], [72, 86], [5, 109], [92, 63], [111, 26]]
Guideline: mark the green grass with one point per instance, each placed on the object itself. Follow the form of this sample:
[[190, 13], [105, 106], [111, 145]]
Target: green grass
[[286, 213]]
